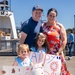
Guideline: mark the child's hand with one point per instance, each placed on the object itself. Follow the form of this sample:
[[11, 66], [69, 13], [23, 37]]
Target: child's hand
[[42, 64], [57, 53]]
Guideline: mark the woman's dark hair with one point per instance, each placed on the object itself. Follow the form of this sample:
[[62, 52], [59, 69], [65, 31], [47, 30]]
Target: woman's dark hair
[[52, 9], [71, 30]]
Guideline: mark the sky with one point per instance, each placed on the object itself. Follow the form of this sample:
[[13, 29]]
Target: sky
[[22, 10]]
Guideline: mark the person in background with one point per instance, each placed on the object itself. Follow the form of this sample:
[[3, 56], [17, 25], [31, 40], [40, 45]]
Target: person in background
[[57, 38], [23, 56], [32, 26], [70, 43]]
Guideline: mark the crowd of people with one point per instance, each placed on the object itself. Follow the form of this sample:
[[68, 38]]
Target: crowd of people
[[49, 38]]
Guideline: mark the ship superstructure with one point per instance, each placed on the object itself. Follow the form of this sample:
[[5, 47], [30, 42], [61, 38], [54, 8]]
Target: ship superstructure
[[7, 22]]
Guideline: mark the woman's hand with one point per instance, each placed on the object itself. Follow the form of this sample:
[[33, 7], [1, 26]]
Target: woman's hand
[[57, 53]]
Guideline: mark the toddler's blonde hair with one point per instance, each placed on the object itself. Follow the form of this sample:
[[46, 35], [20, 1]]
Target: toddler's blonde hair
[[24, 47]]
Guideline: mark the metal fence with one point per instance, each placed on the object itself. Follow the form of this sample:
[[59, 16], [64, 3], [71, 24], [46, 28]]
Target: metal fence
[[8, 45], [11, 46]]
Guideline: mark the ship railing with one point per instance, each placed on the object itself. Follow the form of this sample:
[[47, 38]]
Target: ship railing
[[3, 9], [9, 45]]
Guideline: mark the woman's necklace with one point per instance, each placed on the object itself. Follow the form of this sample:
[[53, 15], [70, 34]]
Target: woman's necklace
[[50, 24]]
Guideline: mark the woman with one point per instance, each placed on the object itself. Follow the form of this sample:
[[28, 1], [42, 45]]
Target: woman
[[56, 35]]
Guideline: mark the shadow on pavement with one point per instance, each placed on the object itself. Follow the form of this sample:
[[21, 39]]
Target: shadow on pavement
[[8, 54]]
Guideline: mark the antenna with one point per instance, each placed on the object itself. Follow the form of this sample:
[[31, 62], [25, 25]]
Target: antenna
[[10, 5]]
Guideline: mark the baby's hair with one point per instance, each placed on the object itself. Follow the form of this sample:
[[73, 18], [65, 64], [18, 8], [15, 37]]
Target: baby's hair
[[24, 47], [46, 44]]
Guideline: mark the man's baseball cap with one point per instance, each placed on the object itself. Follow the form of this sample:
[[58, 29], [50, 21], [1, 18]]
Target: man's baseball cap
[[37, 7]]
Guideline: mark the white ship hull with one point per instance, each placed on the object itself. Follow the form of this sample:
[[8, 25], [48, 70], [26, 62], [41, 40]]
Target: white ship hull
[[7, 22]]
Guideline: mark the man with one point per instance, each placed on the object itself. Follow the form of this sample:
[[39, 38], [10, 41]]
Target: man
[[70, 43], [31, 27]]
